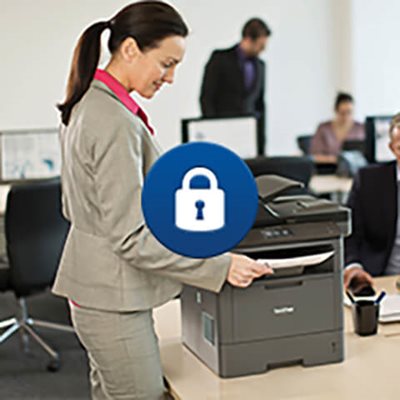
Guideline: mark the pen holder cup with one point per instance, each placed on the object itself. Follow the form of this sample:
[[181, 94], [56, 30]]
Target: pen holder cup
[[365, 317]]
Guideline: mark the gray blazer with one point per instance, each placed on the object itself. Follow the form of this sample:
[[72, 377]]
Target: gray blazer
[[111, 261]]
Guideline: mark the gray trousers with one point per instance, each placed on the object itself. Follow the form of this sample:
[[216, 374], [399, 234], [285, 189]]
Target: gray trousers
[[123, 354]]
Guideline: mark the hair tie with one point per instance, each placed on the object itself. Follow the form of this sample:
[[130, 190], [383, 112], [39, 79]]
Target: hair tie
[[110, 23]]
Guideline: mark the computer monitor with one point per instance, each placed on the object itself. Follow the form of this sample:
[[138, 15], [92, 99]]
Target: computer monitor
[[377, 138], [239, 134], [354, 145], [29, 154]]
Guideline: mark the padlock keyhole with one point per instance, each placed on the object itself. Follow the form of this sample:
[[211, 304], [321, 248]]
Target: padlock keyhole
[[200, 205]]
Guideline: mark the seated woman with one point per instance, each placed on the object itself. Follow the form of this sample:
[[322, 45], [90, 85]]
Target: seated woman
[[327, 142]]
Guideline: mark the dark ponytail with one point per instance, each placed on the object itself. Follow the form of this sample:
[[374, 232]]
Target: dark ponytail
[[148, 22], [84, 64]]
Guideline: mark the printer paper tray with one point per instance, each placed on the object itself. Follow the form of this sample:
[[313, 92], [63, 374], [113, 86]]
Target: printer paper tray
[[296, 265]]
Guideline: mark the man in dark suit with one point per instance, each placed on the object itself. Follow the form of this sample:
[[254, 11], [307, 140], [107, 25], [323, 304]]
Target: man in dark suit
[[234, 79], [373, 248]]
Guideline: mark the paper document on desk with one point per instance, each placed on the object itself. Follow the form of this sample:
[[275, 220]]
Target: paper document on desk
[[390, 308], [303, 261]]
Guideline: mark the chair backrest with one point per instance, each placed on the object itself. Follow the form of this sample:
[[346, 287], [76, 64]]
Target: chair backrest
[[304, 143], [35, 234], [296, 168]]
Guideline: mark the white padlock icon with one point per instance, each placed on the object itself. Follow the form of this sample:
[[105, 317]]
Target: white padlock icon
[[200, 210]]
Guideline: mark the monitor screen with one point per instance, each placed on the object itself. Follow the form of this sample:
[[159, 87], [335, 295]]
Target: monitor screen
[[29, 154], [382, 139], [377, 131], [354, 145], [237, 134]]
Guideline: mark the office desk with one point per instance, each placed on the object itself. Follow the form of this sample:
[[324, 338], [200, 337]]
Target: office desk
[[321, 184], [370, 369], [333, 185]]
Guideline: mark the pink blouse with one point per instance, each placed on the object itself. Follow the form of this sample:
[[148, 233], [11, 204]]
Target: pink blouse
[[123, 96], [325, 141]]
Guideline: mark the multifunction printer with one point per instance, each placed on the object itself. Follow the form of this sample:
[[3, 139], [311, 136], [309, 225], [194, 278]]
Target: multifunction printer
[[293, 316]]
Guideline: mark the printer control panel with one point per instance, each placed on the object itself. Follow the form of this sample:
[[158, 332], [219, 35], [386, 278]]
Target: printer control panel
[[289, 233], [276, 232]]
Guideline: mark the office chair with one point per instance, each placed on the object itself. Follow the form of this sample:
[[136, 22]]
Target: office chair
[[296, 168], [35, 234], [304, 143]]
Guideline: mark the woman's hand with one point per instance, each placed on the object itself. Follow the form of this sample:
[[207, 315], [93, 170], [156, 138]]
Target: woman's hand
[[243, 270], [324, 159]]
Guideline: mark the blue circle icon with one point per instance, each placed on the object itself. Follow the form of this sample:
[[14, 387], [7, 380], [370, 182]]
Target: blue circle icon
[[199, 199]]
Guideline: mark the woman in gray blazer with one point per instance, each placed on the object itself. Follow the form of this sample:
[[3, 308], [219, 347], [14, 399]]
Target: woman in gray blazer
[[112, 269]]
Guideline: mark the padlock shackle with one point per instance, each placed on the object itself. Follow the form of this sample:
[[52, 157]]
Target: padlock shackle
[[199, 171]]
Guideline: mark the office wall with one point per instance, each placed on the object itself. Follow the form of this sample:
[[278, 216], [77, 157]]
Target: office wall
[[376, 56], [37, 39]]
